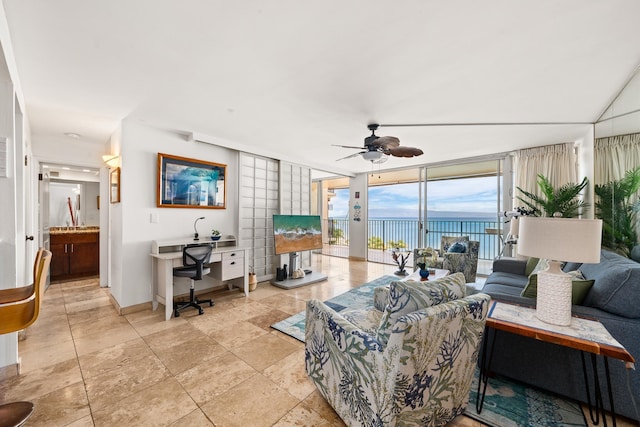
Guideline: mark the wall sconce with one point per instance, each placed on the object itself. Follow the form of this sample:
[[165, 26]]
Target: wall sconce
[[113, 161]]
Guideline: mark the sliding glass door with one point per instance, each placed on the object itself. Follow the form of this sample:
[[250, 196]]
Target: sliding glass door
[[464, 200]]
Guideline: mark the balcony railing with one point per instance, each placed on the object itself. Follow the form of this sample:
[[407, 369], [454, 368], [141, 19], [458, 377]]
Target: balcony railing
[[386, 234]]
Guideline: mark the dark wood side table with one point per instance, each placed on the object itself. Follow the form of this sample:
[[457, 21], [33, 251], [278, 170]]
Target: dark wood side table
[[585, 335]]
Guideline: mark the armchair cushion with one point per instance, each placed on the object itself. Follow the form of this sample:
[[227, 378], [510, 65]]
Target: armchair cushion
[[466, 263], [409, 296]]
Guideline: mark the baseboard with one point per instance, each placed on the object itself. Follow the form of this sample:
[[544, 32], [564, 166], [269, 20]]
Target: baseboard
[[356, 258]]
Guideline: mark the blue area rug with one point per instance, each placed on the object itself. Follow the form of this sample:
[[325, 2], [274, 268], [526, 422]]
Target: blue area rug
[[507, 403], [359, 297]]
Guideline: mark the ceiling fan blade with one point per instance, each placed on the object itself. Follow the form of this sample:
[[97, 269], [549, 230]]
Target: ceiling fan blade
[[404, 151], [349, 146], [386, 142], [351, 155]]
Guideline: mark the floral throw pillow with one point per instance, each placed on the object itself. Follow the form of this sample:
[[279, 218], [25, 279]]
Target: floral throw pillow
[[408, 296]]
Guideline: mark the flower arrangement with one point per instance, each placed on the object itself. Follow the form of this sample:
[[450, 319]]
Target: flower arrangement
[[425, 257], [400, 259], [215, 234]]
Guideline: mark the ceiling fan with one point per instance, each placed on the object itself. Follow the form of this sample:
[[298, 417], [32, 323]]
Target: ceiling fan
[[377, 149]]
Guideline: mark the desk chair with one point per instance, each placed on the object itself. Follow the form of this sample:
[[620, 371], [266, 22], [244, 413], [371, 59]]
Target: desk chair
[[194, 258], [19, 308]]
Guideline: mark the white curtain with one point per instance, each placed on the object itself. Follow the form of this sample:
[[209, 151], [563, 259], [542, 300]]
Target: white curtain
[[558, 163], [614, 156]]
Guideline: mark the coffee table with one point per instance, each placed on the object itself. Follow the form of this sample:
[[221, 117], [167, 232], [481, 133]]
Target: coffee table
[[439, 273], [584, 335]]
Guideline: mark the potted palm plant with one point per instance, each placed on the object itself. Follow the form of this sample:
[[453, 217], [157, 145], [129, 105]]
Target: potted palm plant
[[618, 212], [563, 200]]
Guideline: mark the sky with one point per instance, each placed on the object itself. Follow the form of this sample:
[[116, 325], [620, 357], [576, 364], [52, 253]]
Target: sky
[[468, 195]]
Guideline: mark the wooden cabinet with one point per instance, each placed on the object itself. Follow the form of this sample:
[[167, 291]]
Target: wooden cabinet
[[74, 255]]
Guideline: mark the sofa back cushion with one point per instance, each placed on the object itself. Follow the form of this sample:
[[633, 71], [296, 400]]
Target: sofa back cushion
[[616, 288], [408, 296]]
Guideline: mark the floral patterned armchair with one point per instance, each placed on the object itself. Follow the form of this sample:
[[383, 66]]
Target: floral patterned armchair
[[411, 364], [465, 262]]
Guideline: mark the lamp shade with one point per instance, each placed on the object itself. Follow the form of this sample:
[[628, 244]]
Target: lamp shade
[[560, 239]]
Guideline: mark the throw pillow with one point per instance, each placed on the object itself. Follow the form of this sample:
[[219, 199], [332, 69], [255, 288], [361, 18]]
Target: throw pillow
[[531, 264], [458, 248], [542, 264], [579, 287], [447, 241], [408, 296]]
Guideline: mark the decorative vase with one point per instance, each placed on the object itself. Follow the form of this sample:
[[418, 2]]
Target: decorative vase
[[214, 238], [424, 275]]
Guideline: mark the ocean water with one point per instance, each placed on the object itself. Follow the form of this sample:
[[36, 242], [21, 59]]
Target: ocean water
[[405, 232]]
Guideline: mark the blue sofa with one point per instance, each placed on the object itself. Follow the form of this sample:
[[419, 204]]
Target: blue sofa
[[614, 300]]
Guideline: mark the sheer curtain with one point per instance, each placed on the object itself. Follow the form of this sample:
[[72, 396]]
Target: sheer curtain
[[558, 163], [614, 156]]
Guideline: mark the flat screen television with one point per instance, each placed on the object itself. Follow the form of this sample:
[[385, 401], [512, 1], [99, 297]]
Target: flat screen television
[[293, 233]]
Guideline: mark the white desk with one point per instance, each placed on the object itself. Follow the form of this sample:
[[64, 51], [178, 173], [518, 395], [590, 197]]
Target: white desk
[[227, 265]]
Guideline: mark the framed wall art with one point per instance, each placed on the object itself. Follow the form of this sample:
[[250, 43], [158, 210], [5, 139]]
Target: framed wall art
[[190, 183], [114, 185]]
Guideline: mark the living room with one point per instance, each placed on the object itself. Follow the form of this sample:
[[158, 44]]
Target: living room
[[531, 109]]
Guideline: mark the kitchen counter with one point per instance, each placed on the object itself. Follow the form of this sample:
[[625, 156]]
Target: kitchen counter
[[73, 230]]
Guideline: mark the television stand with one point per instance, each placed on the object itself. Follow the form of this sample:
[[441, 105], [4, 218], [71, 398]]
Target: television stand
[[290, 283]]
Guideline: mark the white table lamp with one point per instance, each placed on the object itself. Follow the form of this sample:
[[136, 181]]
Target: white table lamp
[[558, 240]]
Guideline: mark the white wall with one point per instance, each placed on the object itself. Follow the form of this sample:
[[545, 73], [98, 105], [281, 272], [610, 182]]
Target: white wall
[[358, 229], [623, 116], [131, 227]]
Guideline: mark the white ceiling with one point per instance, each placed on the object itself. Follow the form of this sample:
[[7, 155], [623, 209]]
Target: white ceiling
[[291, 78]]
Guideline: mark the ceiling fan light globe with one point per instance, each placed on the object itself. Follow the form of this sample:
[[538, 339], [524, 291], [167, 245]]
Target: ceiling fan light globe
[[372, 155]]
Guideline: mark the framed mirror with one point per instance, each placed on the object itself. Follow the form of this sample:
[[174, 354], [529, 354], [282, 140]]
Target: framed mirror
[[114, 180], [190, 183]]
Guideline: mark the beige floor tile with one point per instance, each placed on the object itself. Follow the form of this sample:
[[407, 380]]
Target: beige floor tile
[[109, 387], [91, 304], [289, 374], [161, 404], [265, 321], [243, 332], [264, 351], [82, 294], [40, 357], [196, 418], [105, 360], [210, 379], [94, 314], [255, 402], [189, 354], [286, 303], [82, 422], [151, 324], [318, 404], [102, 325], [99, 341], [173, 336], [46, 335], [61, 407], [302, 416], [40, 382]]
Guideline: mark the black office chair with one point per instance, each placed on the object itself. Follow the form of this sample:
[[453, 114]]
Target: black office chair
[[194, 259]]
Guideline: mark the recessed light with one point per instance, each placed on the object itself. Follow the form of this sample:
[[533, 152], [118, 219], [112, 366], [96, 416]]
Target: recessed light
[[86, 170], [72, 135], [66, 168]]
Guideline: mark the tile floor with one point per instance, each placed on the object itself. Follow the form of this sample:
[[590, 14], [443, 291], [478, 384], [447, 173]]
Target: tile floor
[[84, 365]]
